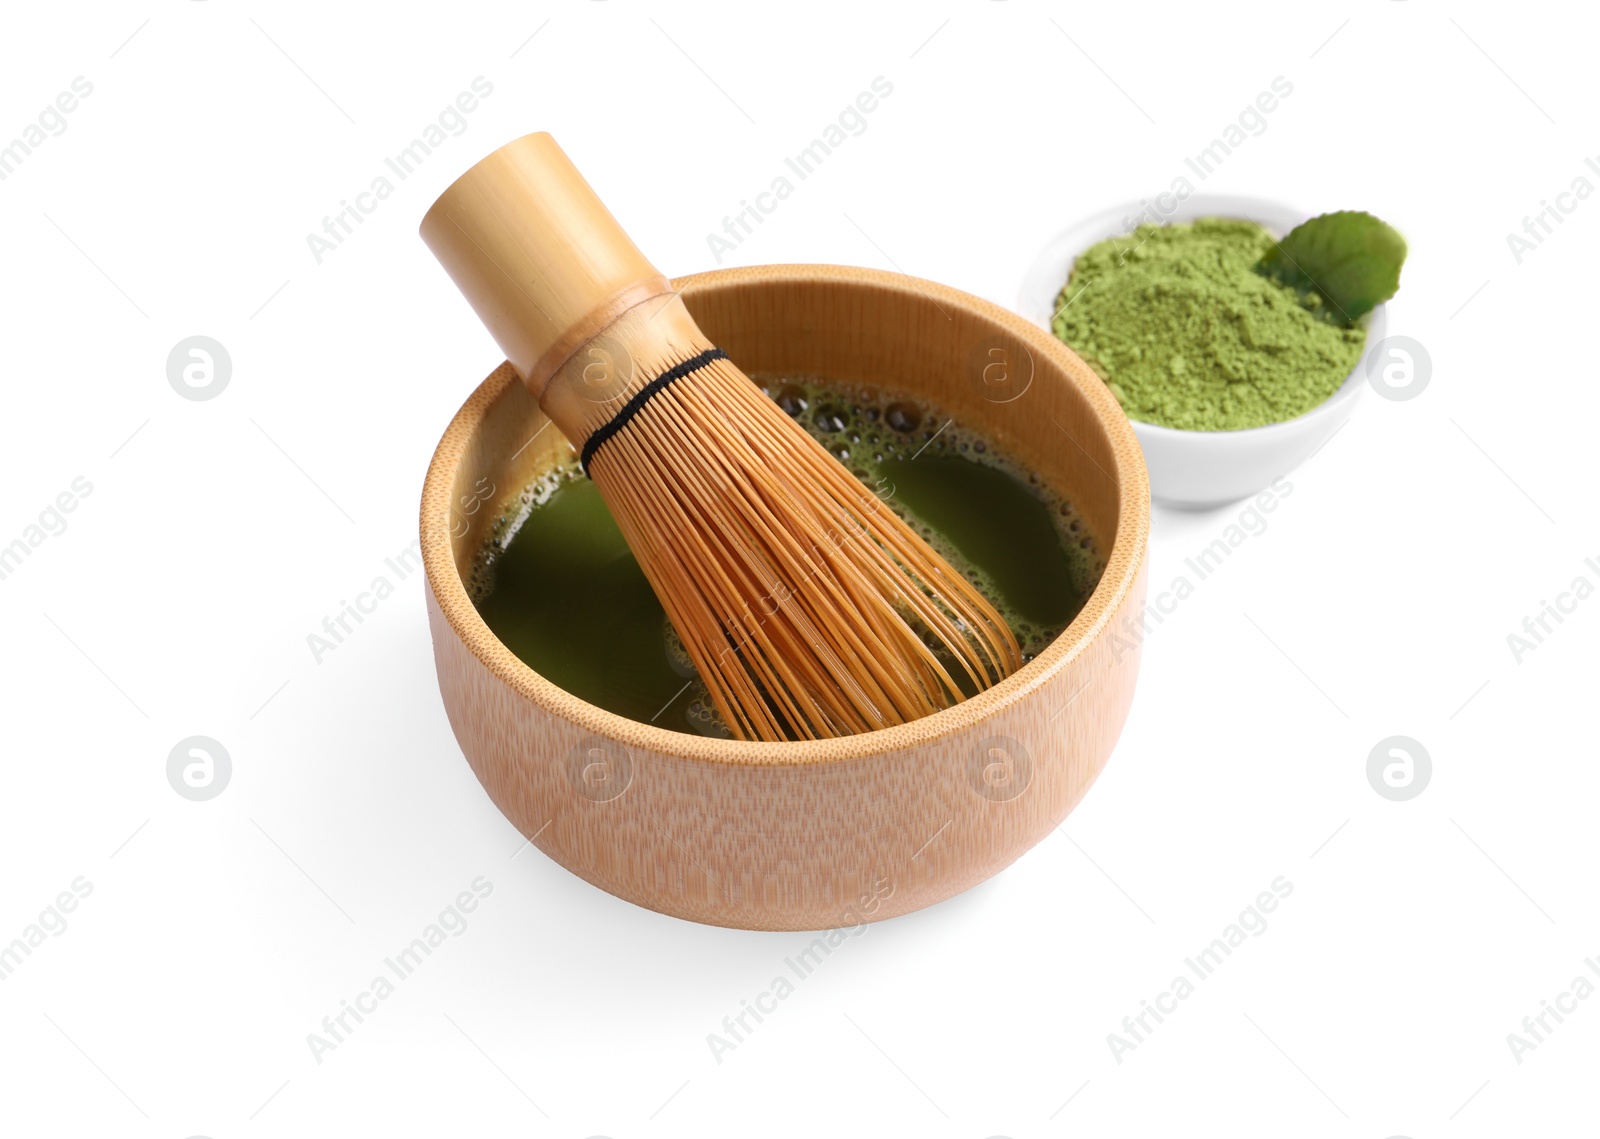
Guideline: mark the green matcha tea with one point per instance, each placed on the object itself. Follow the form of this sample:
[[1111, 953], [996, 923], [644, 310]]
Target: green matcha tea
[[1189, 333], [558, 585]]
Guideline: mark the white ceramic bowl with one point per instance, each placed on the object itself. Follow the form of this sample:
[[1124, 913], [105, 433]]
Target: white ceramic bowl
[[1197, 470]]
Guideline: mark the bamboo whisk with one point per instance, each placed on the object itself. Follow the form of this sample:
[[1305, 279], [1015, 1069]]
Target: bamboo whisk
[[809, 608]]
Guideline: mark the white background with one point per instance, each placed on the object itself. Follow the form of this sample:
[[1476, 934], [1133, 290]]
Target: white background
[[220, 533]]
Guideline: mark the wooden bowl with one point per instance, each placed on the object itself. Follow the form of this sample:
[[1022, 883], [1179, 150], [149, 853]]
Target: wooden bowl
[[823, 834]]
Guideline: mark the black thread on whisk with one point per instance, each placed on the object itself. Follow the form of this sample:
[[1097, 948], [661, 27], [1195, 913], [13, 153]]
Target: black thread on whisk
[[642, 397]]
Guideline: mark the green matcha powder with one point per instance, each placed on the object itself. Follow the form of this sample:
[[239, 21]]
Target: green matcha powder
[[1187, 334]]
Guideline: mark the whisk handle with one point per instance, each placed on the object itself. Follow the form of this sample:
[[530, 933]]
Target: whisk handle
[[537, 255]]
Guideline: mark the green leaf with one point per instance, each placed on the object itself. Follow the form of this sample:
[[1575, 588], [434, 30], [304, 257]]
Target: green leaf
[[1351, 259]]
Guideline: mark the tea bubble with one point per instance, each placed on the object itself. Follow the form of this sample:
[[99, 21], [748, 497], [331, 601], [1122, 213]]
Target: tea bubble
[[903, 416], [831, 419], [792, 399]]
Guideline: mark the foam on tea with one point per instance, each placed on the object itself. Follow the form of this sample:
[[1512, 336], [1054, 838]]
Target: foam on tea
[[559, 587]]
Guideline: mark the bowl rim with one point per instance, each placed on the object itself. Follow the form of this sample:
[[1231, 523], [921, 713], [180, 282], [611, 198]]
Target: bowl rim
[[1234, 207], [1124, 560]]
